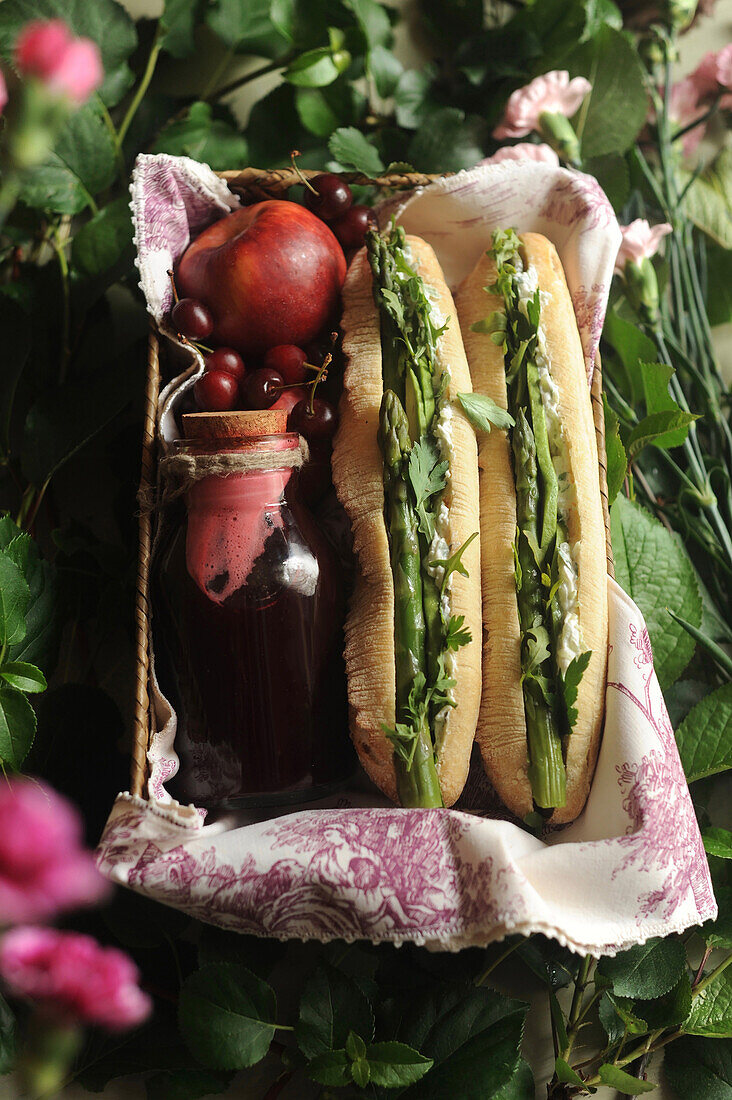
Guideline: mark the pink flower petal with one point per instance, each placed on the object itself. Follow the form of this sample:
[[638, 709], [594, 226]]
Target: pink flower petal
[[40, 46], [72, 976], [554, 93], [640, 241], [525, 150], [79, 71], [43, 866]]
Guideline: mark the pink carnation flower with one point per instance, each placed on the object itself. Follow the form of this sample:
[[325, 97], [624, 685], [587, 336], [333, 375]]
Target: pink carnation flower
[[713, 73], [525, 150], [553, 93], [43, 867], [72, 976], [685, 107], [640, 241], [67, 66]]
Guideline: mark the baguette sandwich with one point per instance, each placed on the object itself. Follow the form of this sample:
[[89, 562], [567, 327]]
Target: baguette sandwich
[[405, 469], [542, 532]]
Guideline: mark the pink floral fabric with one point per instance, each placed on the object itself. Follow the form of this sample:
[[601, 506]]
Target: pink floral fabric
[[631, 867]]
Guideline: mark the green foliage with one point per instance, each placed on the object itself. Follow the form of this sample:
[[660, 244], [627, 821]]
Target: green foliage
[[105, 21], [705, 736], [471, 1034], [711, 1013], [707, 201], [618, 1079], [614, 111], [7, 1037], [617, 460], [646, 971], [354, 153], [653, 568], [370, 1020], [446, 141], [204, 137], [331, 1006], [177, 24], [718, 842], [102, 240], [227, 1016], [700, 1070], [82, 164]]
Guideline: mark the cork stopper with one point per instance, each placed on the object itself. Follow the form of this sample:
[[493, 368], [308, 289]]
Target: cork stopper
[[234, 425]]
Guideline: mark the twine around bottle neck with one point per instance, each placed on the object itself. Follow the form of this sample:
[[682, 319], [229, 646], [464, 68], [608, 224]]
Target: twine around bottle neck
[[180, 471]]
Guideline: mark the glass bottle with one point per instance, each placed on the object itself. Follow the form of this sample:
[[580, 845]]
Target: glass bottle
[[248, 610]]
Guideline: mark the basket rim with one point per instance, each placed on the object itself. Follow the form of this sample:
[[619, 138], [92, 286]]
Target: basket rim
[[262, 183]]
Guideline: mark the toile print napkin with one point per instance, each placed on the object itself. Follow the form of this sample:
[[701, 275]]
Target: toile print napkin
[[632, 866]]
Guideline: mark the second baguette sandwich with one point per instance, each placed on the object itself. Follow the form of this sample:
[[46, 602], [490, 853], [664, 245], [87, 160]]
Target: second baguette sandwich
[[542, 532]]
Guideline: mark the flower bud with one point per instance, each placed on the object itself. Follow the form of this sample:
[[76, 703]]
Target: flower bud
[[680, 13], [559, 133], [641, 287]]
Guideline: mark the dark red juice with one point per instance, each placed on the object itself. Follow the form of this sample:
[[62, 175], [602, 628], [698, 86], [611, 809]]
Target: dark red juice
[[248, 633]]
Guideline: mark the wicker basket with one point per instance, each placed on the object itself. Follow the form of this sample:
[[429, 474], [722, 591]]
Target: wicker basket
[[253, 184]]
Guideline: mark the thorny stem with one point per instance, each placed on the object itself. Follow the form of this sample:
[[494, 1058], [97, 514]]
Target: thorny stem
[[702, 964], [497, 962], [711, 976], [575, 1011]]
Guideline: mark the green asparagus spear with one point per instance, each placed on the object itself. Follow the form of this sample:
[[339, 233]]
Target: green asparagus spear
[[547, 773], [550, 485], [416, 774]]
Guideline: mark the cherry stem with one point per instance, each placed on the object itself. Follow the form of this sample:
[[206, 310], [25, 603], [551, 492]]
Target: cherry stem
[[297, 385], [320, 377], [171, 276], [300, 176], [200, 348]]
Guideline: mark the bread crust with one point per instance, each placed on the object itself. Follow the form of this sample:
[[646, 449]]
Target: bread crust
[[358, 479], [501, 730]]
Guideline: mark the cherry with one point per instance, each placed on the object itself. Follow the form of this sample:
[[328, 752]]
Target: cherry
[[192, 318], [216, 391], [229, 361], [261, 388], [317, 425], [333, 196], [289, 361], [351, 228], [317, 350]]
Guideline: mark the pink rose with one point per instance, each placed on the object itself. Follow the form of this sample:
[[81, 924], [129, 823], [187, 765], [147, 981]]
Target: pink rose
[[79, 71], [640, 241], [40, 45], [72, 976], [67, 66], [553, 93], [525, 150], [3, 93], [43, 867]]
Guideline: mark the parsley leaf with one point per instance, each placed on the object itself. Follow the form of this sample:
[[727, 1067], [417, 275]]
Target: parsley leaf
[[454, 564], [457, 635], [571, 682], [427, 476], [483, 412]]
